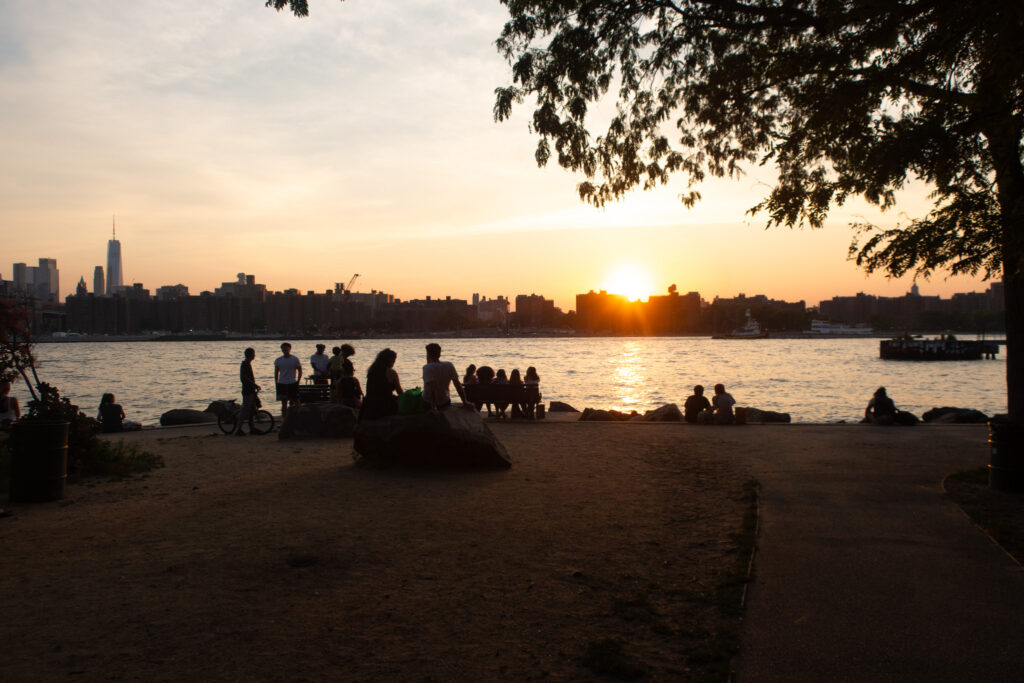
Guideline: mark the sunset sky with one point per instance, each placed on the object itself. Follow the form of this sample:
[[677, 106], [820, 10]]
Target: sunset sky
[[228, 138]]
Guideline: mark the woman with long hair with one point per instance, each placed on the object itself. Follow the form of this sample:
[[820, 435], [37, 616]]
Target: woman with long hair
[[382, 387]]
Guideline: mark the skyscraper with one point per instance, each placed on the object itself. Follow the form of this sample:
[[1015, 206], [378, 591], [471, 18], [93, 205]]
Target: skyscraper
[[47, 280], [98, 287], [114, 276]]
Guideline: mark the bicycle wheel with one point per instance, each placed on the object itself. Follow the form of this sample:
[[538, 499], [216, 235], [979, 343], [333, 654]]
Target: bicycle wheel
[[262, 422], [227, 423]]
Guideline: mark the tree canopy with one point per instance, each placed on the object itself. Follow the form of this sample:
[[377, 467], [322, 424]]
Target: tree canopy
[[844, 97]]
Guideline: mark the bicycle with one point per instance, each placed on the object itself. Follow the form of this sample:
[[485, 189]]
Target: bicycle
[[262, 420]]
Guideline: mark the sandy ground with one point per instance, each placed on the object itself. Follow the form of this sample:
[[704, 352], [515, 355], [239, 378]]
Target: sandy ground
[[251, 558]]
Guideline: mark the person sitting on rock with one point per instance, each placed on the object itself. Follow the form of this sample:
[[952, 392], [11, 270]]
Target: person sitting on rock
[[111, 415], [438, 375], [695, 405], [382, 387], [880, 410], [723, 403], [10, 411]]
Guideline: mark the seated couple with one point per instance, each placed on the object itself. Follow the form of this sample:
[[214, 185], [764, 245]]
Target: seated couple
[[383, 386], [698, 410]]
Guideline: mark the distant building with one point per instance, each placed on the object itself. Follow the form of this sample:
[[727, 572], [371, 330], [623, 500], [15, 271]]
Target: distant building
[[535, 311], [115, 277], [492, 310], [40, 282], [168, 292], [98, 282], [81, 289]]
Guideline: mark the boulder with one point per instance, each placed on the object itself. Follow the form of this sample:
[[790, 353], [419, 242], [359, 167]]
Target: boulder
[[184, 416], [559, 407], [222, 408], [955, 415], [456, 437], [595, 415], [763, 416], [667, 413], [318, 420]]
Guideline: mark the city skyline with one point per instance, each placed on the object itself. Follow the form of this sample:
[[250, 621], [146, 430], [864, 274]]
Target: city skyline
[[231, 137]]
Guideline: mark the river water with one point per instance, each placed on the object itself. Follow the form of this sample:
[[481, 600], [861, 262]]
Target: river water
[[820, 380]]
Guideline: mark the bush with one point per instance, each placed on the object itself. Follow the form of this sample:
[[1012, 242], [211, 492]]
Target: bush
[[117, 459]]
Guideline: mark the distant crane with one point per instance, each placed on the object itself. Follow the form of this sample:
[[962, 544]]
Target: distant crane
[[348, 287]]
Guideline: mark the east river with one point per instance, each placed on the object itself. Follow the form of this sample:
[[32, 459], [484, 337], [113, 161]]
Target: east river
[[819, 380]]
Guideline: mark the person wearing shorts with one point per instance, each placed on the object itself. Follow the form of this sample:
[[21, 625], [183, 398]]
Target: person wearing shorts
[[287, 373]]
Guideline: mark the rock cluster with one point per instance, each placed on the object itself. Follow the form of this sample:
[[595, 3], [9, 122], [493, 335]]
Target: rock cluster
[[955, 415]]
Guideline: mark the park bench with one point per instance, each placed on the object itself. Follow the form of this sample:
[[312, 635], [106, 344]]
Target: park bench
[[314, 393], [507, 394]]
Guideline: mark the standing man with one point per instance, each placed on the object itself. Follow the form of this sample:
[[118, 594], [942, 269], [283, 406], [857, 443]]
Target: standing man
[[437, 375], [249, 389], [287, 373], [319, 361]]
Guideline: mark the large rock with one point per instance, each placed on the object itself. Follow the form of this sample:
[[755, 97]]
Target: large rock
[[667, 413], [955, 415], [596, 415], [223, 408], [762, 416], [324, 420], [559, 407], [456, 437], [184, 416]]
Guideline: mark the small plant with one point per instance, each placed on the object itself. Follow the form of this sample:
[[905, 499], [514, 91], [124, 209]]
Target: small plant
[[118, 459]]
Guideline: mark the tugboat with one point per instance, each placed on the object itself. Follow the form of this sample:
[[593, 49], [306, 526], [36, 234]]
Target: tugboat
[[946, 347], [750, 330]]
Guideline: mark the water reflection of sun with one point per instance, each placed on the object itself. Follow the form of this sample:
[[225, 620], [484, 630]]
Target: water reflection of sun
[[631, 385]]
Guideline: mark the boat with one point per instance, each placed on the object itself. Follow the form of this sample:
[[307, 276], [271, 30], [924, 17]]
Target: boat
[[825, 328], [751, 329], [942, 348]]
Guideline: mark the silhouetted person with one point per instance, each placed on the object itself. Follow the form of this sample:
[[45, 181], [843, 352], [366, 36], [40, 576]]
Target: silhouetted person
[[249, 389], [695, 405], [881, 410], [485, 375], [438, 375], [532, 382], [10, 410], [382, 387], [318, 361], [287, 373], [500, 406], [111, 415], [723, 403]]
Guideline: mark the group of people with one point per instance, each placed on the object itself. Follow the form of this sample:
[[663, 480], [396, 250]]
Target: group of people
[[337, 371], [383, 386], [719, 410], [487, 375], [111, 415]]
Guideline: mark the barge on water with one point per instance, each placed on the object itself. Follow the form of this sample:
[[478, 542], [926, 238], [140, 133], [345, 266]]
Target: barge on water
[[944, 348]]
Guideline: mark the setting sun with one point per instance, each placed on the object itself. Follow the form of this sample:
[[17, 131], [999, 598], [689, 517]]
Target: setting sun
[[631, 281]]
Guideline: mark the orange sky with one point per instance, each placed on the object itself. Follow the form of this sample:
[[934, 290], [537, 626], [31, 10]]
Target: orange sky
[[229, 138]]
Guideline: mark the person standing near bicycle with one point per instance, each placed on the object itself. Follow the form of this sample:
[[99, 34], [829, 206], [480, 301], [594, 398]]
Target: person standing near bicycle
[[249, 389], [287, 373]]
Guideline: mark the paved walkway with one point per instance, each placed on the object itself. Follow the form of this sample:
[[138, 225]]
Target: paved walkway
[[865, 573]]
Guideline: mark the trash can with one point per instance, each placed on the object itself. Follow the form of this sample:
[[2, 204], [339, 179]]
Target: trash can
[[39, 461], [1006, 458]]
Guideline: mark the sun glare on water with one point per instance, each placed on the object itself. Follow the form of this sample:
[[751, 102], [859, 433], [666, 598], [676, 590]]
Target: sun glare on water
[[631, 281]]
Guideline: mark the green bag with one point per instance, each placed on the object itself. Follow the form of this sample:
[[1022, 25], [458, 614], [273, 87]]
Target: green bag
[[411, 402]]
